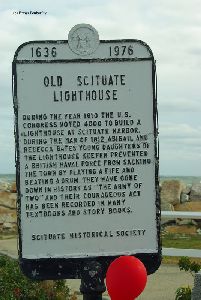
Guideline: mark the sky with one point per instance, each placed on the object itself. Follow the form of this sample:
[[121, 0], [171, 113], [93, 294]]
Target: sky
[[171, 28]]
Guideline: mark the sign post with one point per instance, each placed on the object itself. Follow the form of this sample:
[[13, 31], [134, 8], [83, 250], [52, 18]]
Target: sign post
[[86, 154]]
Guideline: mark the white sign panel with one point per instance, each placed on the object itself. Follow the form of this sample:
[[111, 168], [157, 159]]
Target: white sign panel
[[86, 148]]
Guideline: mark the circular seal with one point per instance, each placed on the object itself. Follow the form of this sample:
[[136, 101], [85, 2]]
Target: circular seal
[[83, 39]]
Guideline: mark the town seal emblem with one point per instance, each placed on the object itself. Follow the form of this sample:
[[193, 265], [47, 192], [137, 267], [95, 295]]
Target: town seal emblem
[[83, 39]]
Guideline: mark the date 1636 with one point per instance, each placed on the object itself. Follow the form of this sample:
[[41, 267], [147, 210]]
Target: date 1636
[[122, 50], [43, 51]]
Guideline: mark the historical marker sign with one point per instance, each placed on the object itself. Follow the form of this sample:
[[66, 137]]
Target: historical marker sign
[[87, 165]]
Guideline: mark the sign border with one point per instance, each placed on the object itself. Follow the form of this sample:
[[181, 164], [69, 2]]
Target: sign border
[[71, 268]]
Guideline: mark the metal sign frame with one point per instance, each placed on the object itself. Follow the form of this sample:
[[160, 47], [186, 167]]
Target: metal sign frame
[[57, 268]]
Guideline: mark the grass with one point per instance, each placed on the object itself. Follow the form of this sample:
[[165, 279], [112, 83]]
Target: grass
[[182, 241], [174, 260]]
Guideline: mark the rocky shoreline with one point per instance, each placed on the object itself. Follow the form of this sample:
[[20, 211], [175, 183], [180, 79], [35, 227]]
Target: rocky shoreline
[[175, 196], [8, 214]]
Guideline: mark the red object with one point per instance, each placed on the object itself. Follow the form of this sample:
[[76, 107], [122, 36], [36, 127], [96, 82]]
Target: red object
[[126, 278]]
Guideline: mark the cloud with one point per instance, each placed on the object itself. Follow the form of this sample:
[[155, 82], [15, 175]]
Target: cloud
[[169, 130], [180, 105], [180, 146]]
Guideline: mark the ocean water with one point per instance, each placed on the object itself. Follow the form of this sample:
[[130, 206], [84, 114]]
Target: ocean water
[[7, 178], [189, 180]]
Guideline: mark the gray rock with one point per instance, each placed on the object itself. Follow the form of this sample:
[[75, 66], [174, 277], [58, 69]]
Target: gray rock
[[9, 226], [4, 186], [198, 231], [167, 207], [171, 191], [187, 189], [186, 222], [184, 197], [195, 193], [8, 200]]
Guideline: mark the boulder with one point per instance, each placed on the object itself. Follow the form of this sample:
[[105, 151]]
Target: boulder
[[8, 212], [160, 187], [171, 191], [4, 186], [184, 229], [186, 222], [184, 197], [188, 206], [195, 193], [9, 226], [8, 219], [198, 231], [166, 207], [8, 199], [7, 215], [13, 188], [187, 189]]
